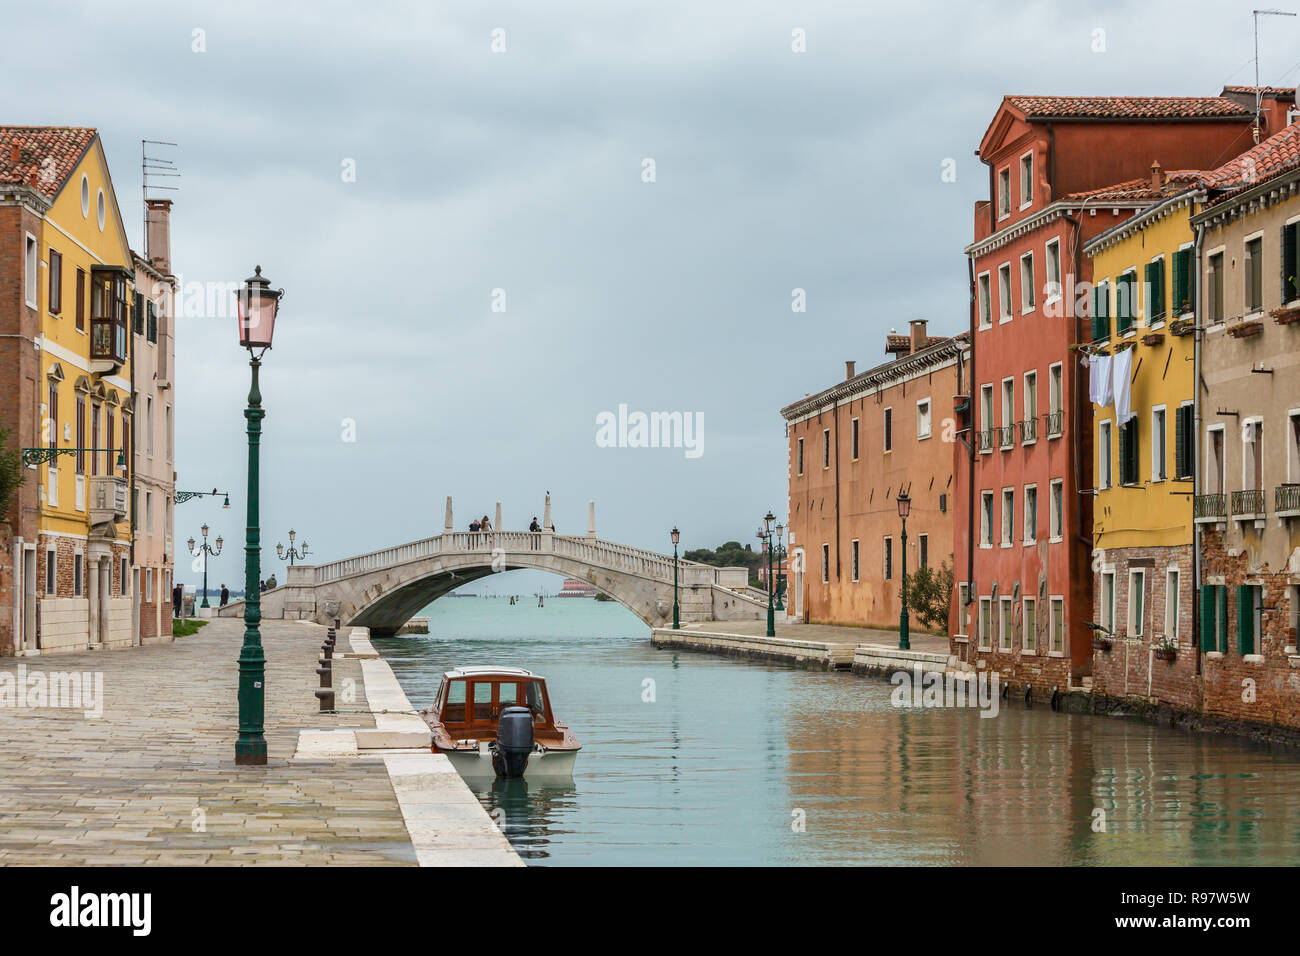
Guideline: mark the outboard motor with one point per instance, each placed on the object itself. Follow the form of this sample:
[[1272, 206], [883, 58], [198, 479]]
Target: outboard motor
[[514, 742]]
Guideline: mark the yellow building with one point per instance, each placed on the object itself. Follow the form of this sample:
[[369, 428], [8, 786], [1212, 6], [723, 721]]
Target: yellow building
[[81, 264], [1141, 383]]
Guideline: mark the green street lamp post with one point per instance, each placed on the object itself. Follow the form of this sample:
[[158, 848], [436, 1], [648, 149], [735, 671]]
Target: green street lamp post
[[257, 306], [184, 496], [780, 562], [677, 622], [291, 552], [765, 533], [205, 549], [904, 507]]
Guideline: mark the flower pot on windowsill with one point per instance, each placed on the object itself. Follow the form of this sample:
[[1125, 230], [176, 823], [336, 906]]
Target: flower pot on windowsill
[[1152, 338], [1101, 643], [1183, 326], [1244, 330], [1166, 653], [1287, 315]]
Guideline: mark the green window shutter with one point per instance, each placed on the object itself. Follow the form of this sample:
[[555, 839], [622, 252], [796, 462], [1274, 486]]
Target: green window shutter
[[1128, 453], [1207, 618], [1221, 594], [1290, 261], [1124, 304], [1100, 321], [1180, 435], [1149, 292], [1245, 619], [1182, 268], [1157, 313]]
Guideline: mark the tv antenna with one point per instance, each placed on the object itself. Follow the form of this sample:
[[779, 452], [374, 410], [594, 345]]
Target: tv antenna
[[1259, 96], [152, 168]]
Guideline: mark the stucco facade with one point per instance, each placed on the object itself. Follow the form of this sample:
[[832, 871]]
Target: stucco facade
[[852, 448]]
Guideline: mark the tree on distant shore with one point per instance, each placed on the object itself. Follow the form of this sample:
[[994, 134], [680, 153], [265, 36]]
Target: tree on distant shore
[[929, 596], [12, 471], [730, 554]]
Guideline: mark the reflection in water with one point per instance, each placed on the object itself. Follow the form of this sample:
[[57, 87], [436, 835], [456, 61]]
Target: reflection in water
[[716, 768]]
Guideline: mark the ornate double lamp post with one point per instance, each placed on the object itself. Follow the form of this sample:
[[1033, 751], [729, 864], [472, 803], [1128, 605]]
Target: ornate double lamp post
[[205, 549], [780, 567], [904, 508], [257, 304], [291, 553], [184, 496], [676, 536]]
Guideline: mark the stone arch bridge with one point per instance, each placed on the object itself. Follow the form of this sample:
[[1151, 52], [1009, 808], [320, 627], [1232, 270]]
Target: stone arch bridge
[[384, 589]]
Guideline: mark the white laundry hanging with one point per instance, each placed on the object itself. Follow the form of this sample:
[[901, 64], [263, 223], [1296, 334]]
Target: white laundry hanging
[[1099, 384], [1122, 376]]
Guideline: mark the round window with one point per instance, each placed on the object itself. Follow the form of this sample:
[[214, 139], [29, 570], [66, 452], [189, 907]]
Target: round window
[[99, 209], [85, 195]]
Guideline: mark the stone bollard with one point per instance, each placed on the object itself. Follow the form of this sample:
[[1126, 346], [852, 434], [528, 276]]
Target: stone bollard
[[326, 701], [328, 650], [326, 673]]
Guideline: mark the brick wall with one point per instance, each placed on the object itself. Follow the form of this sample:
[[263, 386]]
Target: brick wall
[[1130, 668], [8, 596], [1270, 676]]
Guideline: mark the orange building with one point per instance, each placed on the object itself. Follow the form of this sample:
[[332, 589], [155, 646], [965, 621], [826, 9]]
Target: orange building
[[852, 448]]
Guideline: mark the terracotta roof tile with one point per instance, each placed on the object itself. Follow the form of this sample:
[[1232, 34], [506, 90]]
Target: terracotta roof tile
[[1141, 190], [1128, 107], [1278, 154], [45, 155]]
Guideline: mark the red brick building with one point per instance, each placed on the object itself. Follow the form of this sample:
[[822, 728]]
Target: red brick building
[[1022, 502]]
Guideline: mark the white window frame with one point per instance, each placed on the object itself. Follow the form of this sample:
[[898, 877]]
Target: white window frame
[[1107, 607], [78, 574], [986, 519], [984, 612], [924, 417], [1008, 523], [986, 413], [51, 569], [1026, 182], [1256, 420], [1006, 623], [1056, 513], [1291, 442], [1134, 626], [1223, 464], [1173, 595], [1052, 286], [1005, 310], [1245, 277], [1056, 395], [1053, 635], [1159, 443], [1026, 632], [854, 447], [1105, 455], [1028, 293], [1029, 398], [1003, 197], [1030, 533], [984, 299], [31, 270]]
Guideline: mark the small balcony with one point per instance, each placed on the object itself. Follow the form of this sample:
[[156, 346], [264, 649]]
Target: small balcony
[[1286, 501], [1210, 508], [1248, 505], [1006, 437], [1055, 423], [1028, 431], [108, 495], [987, 439]]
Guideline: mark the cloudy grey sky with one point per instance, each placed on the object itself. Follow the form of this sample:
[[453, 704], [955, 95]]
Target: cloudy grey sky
[[522, 171]]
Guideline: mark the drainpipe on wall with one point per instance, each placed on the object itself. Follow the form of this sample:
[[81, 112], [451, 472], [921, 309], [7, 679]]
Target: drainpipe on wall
[[1198, 336], [835, 412], [1077, 437], [970, 483]]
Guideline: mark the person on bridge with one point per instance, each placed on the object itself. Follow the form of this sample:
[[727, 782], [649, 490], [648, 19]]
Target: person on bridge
[[534, 526], [225, 596], [474, 526], [485, 524]]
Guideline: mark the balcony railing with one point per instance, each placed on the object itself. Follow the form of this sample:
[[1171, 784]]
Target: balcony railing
[[986, 439], [1210, 506], [1055, 423], [1286, 501], [1006, 436], [107, 499], [1247, 504], [1028, 430]]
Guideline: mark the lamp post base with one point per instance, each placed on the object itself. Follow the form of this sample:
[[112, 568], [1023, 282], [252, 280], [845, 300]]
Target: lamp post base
[[251, 754]]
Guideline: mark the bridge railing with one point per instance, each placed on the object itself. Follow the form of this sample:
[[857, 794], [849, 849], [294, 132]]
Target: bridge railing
[[608, 554]]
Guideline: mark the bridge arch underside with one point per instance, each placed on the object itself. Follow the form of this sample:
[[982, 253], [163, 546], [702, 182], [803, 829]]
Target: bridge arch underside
[[384, 601]]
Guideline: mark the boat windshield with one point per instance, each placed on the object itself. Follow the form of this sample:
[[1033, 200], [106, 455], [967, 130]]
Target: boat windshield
[[526, 693]]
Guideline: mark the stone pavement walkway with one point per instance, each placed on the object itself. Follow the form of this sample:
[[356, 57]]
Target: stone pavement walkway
[[134, 786], [830, 633]]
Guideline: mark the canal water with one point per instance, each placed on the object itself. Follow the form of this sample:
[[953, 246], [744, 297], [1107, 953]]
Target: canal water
[[694, 759]]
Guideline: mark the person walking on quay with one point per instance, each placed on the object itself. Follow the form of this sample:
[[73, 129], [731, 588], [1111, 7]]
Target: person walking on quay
[[178, 595], [225, 596]]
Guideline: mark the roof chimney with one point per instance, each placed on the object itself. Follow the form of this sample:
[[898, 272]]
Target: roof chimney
[[919, 338], [15, 152], [848, 368], [159, 241], [1157, 176]]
